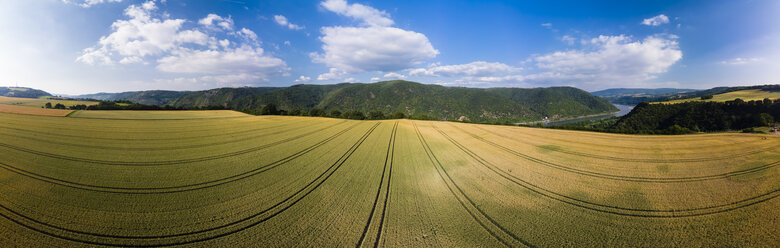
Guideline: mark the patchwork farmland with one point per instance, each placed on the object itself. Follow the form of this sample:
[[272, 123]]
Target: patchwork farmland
[[236, 181]]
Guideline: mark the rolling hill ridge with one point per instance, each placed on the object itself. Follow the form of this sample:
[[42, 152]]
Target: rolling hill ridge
[[411, 98]]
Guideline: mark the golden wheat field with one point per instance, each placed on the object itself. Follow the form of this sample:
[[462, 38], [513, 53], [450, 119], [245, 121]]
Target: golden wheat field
[[305, 181]]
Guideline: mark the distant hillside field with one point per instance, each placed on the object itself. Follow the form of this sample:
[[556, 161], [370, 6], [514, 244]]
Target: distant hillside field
[[635, 96], [746, 95], [150, 97], [22, 92], [410, 98], [638, 92], [15, 109], [40, 102]]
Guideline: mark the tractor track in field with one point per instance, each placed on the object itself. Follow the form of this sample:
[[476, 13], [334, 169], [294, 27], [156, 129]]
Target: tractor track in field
[[172, 189], [535, 136], [388, 161], [642, 160], [161, 163], [497, 235], [619, 177], [142, 139], [292, 200], [245, 138], [603, 208], [172, 119], [185, 129]]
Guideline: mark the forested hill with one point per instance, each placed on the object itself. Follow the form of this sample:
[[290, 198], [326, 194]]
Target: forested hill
[[635, 96], [699, 116], [413, 99], [557, 101], [22, 92], [149, 97]]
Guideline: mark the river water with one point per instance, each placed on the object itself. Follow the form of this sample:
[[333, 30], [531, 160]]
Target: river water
[[624, 109]]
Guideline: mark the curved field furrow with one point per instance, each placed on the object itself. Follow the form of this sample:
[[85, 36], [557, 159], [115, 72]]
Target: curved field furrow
[[172, 189], [123, 129], [623, 211], [152, 148], [636, 140], [259, 217], [502, 234], [621, 159], [285, 181], [44, 130], [626, 178], [158, 163]]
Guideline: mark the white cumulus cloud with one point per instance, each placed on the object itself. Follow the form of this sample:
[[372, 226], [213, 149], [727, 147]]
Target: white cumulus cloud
[[374, 46], [356, 49], [147, 36], [332, 74], [609, 61], [303, 78], [216, 21], [90, 3], [244, 59], [656, 20], [602, 62], [394, 75], [281, 20], [365, 14], [473, 69]]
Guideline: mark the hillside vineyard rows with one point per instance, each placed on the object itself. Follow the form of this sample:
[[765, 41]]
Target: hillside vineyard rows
[[305, 181]]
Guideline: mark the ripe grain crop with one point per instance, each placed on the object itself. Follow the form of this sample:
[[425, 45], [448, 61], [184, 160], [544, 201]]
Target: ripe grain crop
[[215, 179], [14, 109]]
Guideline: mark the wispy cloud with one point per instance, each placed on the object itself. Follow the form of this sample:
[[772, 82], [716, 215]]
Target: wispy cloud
[[740, 61], [281, 20], [656, 20]]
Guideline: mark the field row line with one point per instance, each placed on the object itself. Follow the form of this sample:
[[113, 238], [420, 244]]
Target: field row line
[[183, 129], [173, 189], [388, 168], [243, 138], [619, 177], [503, 235], [172, 119], [647, 160], [141, 139], [609, 209], [168, 162], [261, 216], [632, 137]]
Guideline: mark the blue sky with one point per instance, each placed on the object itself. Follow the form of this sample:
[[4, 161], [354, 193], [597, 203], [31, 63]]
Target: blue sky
[[88, 46]]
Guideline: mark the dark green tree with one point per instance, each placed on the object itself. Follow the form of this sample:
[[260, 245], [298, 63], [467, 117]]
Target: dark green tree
[[316, 112], [335, 113], [354, 115], [48, 105], [376, 115], [398, 115], [766, 119], [59, 106], [269, 109]]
